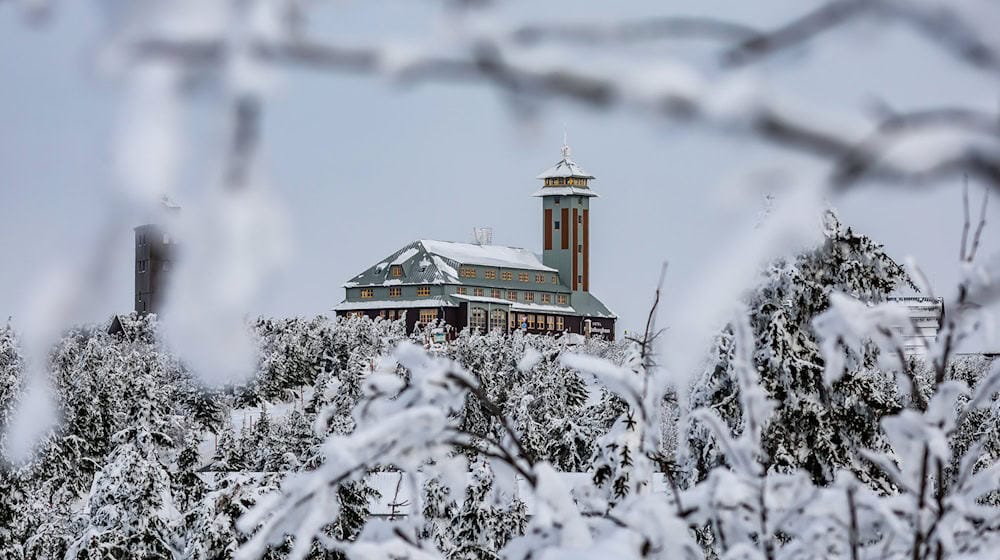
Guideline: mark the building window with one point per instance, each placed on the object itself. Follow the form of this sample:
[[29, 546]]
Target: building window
[[539, 278], [357, 314], [523, 276], [550, 322], [560, 323], [562, 299], [579, 219], [396, 271], [395, 291], [497, 293], [529, 296], [141, 265], [498, 320], [462, 290], [556, 226], [522, 320], [579, 248], [428, 315], [424, 291], [507, 275], [579, 278], [478, 292], [546, 298], [557, 202], [531, 322], [555, 279], [490, 274], [367, 293], [381, 314], [392, 314], [466, 272], [477, 318], [141, 239], [512, 295]]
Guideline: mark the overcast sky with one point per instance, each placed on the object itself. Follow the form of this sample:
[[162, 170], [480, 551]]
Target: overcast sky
[[363, 168]]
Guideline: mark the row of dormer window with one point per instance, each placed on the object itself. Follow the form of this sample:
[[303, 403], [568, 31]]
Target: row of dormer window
[[507, 275], [510, 295]]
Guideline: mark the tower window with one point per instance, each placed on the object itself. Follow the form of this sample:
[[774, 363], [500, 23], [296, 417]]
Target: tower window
[[579, 219], [557, 202], [423, 291], [141, 265], [579, 248], [557, 225], [579, 278]]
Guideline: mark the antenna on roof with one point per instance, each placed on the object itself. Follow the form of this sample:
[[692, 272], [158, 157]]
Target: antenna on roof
[[482, 235]]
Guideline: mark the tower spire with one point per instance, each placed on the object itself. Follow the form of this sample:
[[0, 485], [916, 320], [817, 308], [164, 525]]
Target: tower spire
[[565, 146]]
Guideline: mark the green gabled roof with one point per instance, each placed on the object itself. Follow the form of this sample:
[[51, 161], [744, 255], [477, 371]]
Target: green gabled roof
[[588, 305], [437, 262]]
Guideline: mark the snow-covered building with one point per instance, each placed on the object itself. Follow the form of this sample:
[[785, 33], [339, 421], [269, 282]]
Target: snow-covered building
[[924, 314], [485, 286]]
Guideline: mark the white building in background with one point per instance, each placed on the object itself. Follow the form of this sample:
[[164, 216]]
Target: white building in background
[[926, 314]]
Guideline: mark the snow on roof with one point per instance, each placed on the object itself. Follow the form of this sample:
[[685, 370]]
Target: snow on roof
[[564, 191], [565, 168], [485, 255], [405, 256], [393, 304], [483, 299], [447, 271], [540, 308]]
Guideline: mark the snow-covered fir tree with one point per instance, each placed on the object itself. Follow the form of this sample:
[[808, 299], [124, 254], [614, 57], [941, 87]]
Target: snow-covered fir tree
[[814, 427]]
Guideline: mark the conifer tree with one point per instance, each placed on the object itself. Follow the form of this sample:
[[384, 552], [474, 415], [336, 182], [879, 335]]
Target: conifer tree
[[813, 428]]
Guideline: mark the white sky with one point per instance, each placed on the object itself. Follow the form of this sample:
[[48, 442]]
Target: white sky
[[364, 168]]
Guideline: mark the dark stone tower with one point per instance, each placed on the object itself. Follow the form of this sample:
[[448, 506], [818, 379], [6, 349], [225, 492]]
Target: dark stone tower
[[154, 257]]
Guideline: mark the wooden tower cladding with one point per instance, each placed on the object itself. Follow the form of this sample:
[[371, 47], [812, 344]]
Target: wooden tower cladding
[[566, 198]]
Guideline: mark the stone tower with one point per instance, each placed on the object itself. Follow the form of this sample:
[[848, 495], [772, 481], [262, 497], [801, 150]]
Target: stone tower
[[154, 256], [566, 198]]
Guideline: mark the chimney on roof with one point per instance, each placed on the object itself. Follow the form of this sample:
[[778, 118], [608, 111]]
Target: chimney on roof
[[482, 235]]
